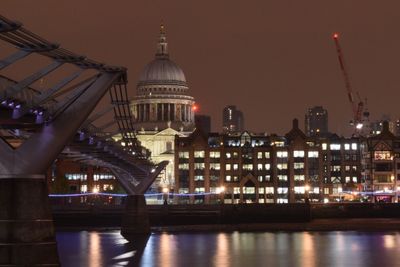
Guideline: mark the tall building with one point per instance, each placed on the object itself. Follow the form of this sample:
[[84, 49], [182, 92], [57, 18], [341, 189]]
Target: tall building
[[316, 121], [232, 120], [162, 108]]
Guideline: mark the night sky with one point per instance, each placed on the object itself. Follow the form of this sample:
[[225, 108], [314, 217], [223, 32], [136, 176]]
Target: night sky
[[273, 59]]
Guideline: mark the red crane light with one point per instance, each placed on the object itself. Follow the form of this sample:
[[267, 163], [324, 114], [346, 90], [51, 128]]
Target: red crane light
[[195, 108], [335, 35]]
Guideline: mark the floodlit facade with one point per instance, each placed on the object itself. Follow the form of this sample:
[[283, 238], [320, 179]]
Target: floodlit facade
[[162, 108], [267, 169]]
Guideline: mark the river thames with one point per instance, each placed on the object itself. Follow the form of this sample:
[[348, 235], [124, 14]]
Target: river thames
[[350, 248]]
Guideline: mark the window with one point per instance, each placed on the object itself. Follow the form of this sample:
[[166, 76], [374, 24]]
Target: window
[[183, 190], [298, 153], [215, 154], [102, 176], [282, 190], [228, 167], [267, 178], [299, 177], [282, 154], [298, 165], [281, 166], [228, 178], [248, 167], [354, 179], [267, 166], [334, 146], [228, 155], [382, 155], [199, 154], [266, 155], [215, 166], [199, 190], [261, 190], [249, 190], [259, 166], [236, 190], [199, 166], [326, 190], [324, 146], [282, 178], [269, 190], [299, 190], [347, 179], [77, 176], [313, 154], [259, 155], [184, 155], [183, 166], [347, 168], [354, 146], [315, 190], [83, 188], [260, 178], [282, 200], [199, 178], [346, 146], [236, 166], [335, 168]]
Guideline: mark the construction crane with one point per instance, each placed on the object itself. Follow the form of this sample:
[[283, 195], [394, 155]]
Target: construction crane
[[357, 109]]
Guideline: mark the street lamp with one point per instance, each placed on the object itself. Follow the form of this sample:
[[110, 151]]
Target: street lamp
[[165, 191]]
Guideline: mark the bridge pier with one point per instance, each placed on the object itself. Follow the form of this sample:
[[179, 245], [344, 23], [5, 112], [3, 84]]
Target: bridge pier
[[135, 220], [26, 225]]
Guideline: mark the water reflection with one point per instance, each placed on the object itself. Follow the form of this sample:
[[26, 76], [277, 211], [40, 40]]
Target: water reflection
[[231, 249]]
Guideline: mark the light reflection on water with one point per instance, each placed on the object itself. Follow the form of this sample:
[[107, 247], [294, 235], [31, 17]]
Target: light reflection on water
[[309, 249]]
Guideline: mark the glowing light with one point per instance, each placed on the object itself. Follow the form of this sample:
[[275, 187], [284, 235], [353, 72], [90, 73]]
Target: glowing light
[[95, 190], [220, 190], [326, 200], [335, 35], [195, 108], [165, 190], [359, 126], [307, 187]]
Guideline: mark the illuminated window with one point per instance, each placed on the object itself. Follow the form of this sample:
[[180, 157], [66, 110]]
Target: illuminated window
[[184, 155], [215, 154], [282, 200], [228, 178], [76, 176], [324, 146], [354, 146], [249, 190], [83, 188], [315, 190], [298, 153], [199, 166], [269, 190], [335, 168], [299, 177], [261, 190], [298, 165], [183, 166], [281, 166], [236, 190], [282, 178], [282, 190], [199, 190], [228, 155], [103, 176], [236, 166], [266, 155], [382, 155], [313, 154], [334, 146], [267, 166], [259, 155], [183, 190], [259, 166], [326, 190], [199, 178], [199, 154], [299, 190], [354, 179], [260, 178], [248, 167], [282, 154], [346, 146], [228, 167], [215, 166]]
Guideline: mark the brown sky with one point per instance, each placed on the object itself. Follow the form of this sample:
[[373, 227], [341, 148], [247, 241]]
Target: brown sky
[[272, 59]]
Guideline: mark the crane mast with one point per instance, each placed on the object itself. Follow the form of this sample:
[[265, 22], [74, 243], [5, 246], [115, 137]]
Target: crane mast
[[357, 109]]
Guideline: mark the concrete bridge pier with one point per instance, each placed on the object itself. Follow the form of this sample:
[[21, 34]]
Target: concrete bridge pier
[[135, 220], [27, 235]]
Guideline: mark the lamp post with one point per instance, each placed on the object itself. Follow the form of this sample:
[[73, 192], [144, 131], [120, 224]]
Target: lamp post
[[165, 191]]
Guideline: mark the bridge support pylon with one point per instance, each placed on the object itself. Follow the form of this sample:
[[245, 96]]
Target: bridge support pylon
[[27, 235], [135, 220]]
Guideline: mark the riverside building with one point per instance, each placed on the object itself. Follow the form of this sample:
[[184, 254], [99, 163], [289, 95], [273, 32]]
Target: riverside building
[[255, 168]]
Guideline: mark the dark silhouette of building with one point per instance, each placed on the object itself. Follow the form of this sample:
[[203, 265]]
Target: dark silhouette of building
[[316, 121], [203, 122], [232, 119]]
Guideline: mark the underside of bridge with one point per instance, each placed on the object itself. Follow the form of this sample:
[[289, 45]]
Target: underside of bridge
[[38, 123]]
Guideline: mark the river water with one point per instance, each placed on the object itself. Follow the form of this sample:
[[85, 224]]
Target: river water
[[241, 249]]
